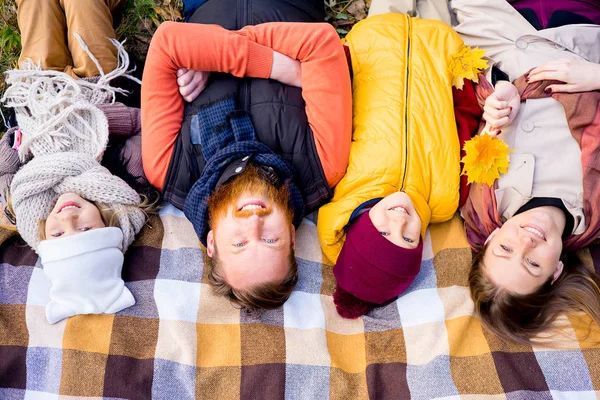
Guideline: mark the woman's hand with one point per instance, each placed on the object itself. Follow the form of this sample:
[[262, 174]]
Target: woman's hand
[[286, 70], [501, 107], [191, 83], [577, 75]]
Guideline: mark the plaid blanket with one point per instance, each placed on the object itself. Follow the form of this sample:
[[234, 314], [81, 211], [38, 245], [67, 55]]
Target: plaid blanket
[[180, 341]]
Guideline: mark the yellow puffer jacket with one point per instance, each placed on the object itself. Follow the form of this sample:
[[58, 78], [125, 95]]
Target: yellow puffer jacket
[[404, 130]]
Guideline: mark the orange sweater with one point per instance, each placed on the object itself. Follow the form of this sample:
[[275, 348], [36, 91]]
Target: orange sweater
[[247, 53]]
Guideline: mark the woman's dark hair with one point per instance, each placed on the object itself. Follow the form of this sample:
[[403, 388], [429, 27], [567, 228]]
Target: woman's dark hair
[[521, 318]]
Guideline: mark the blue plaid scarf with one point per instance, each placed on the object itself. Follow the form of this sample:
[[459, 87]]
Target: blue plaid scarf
[[227, 135]]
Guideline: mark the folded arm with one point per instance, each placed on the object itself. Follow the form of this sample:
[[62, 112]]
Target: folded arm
[[190, 46], [247, 53], [325, 85]]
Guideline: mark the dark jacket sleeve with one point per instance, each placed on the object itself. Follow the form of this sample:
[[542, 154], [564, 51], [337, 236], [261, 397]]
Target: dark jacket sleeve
[[122, 120], [124, 154], [9, 161]]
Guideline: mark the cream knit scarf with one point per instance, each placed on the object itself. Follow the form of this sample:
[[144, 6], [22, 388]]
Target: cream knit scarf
[[58, 113], [38, 184]]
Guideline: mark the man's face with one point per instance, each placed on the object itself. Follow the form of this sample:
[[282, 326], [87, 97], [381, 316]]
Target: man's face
[[251, 225]]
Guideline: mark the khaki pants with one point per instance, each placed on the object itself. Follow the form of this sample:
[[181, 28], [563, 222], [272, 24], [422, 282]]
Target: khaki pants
[[47, 28], [427, 9]]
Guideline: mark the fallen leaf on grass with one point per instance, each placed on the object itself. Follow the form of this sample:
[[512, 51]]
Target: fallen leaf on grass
[[358, 9]]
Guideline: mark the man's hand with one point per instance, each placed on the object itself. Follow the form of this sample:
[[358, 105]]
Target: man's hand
[[191, 83], [501, 107], [286, 70], [577, 75]]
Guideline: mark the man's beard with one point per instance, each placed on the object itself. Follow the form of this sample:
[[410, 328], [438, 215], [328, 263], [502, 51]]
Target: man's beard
[[250, 182]]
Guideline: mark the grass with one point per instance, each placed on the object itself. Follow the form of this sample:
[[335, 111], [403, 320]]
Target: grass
[[10, 43], [139, 19], [343, 14]]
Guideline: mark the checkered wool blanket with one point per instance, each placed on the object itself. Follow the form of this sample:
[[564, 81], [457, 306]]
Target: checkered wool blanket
[[179, 341]]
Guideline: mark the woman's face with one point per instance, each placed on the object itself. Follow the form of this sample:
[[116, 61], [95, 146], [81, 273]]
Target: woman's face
[[397, 220], [525, 253], [72, 215]]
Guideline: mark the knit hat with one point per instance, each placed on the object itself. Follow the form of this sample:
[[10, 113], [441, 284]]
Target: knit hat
[[85, 273], [371, 270], [38, 184]]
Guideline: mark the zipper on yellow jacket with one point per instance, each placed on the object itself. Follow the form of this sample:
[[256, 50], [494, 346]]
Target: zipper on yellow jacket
[[406, 97]]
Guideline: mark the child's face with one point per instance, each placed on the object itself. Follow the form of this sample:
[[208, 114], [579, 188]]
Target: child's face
[[72, 215], [397, 220]]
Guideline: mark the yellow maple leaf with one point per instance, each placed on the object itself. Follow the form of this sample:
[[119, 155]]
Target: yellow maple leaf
[[486, 157], [466, 64]]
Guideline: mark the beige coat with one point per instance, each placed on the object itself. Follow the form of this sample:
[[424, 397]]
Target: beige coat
[[546, 161]]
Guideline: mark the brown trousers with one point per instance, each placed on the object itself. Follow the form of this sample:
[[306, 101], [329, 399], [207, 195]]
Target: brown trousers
[[47, 28]]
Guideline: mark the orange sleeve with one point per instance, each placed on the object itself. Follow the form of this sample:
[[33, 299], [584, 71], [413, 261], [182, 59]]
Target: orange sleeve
[[325, 85], [193, 46], [247, 53]]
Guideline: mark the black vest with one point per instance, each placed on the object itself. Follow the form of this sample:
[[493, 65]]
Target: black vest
[[276, 110]]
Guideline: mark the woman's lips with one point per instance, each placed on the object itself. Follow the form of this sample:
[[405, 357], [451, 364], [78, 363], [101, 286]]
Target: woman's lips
[[535, 230], [68, 204]]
